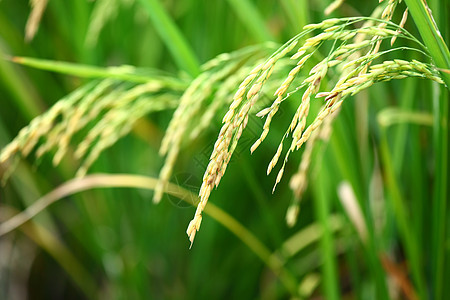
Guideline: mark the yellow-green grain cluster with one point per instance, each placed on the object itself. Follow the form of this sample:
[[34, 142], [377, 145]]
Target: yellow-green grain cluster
[[109, 107], [217, 81], [352, 56]]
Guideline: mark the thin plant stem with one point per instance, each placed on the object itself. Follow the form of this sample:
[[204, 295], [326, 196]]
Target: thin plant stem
[[173, 38], [342, 159], [252, 19], [327, 247], [441, 113], [431, 36], [297, 12], [125, 73], [401, 213], [440, 189], [135, 181], [25, 98]]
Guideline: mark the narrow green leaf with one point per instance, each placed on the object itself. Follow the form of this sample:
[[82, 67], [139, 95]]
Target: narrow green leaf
[[327, 245], [26, 100], [402, 215], [126, 73], [297, 13], [172, 37], [431, 36], [249, 15]]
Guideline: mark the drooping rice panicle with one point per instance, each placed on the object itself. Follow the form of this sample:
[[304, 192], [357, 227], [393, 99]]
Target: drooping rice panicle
[[221, 99], [117, 123], [191, 103], [356, 74], [112, 106], [73, 119], [313, 82], [401, 25], [40, 126], [223, 148], [351, 65], [299, 180], [235, 120]]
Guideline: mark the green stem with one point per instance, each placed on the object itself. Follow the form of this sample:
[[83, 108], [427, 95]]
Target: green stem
[[322, 208], [343, 159], [135, 181], [297, 13], [431, 36], [252, 19], [125, 73], [172, 37], [441, 166], [16, 84], [440, 189], [438, 49], [401, 213]]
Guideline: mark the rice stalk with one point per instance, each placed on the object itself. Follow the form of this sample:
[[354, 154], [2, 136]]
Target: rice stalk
[[220, 73], [144, 182], [299, 181], [110, 106], [357, 74]]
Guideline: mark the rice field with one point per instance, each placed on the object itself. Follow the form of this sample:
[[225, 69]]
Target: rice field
[[230, 149]]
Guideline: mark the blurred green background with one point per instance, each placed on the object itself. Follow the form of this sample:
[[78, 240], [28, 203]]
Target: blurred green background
[[116, 244]]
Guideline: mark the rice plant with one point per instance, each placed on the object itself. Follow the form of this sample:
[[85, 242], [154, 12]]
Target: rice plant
[[352, 109]]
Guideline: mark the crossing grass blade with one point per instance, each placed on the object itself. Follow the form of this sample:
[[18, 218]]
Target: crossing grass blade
[[249, 15], [125, 73], [431, 35], [168, 31]]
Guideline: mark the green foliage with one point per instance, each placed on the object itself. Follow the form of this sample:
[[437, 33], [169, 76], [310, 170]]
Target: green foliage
[[131, 94]]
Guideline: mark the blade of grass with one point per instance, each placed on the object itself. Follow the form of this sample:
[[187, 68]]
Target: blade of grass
[[402, 215], [322, 211], [406, 103], [249, 15], [345, 162], [24, 97], [172, 37], [392, 116], [143, 182], [431, 36], [307, 236], [297, 12], [125, 73], [441, 114], [440, 189]]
